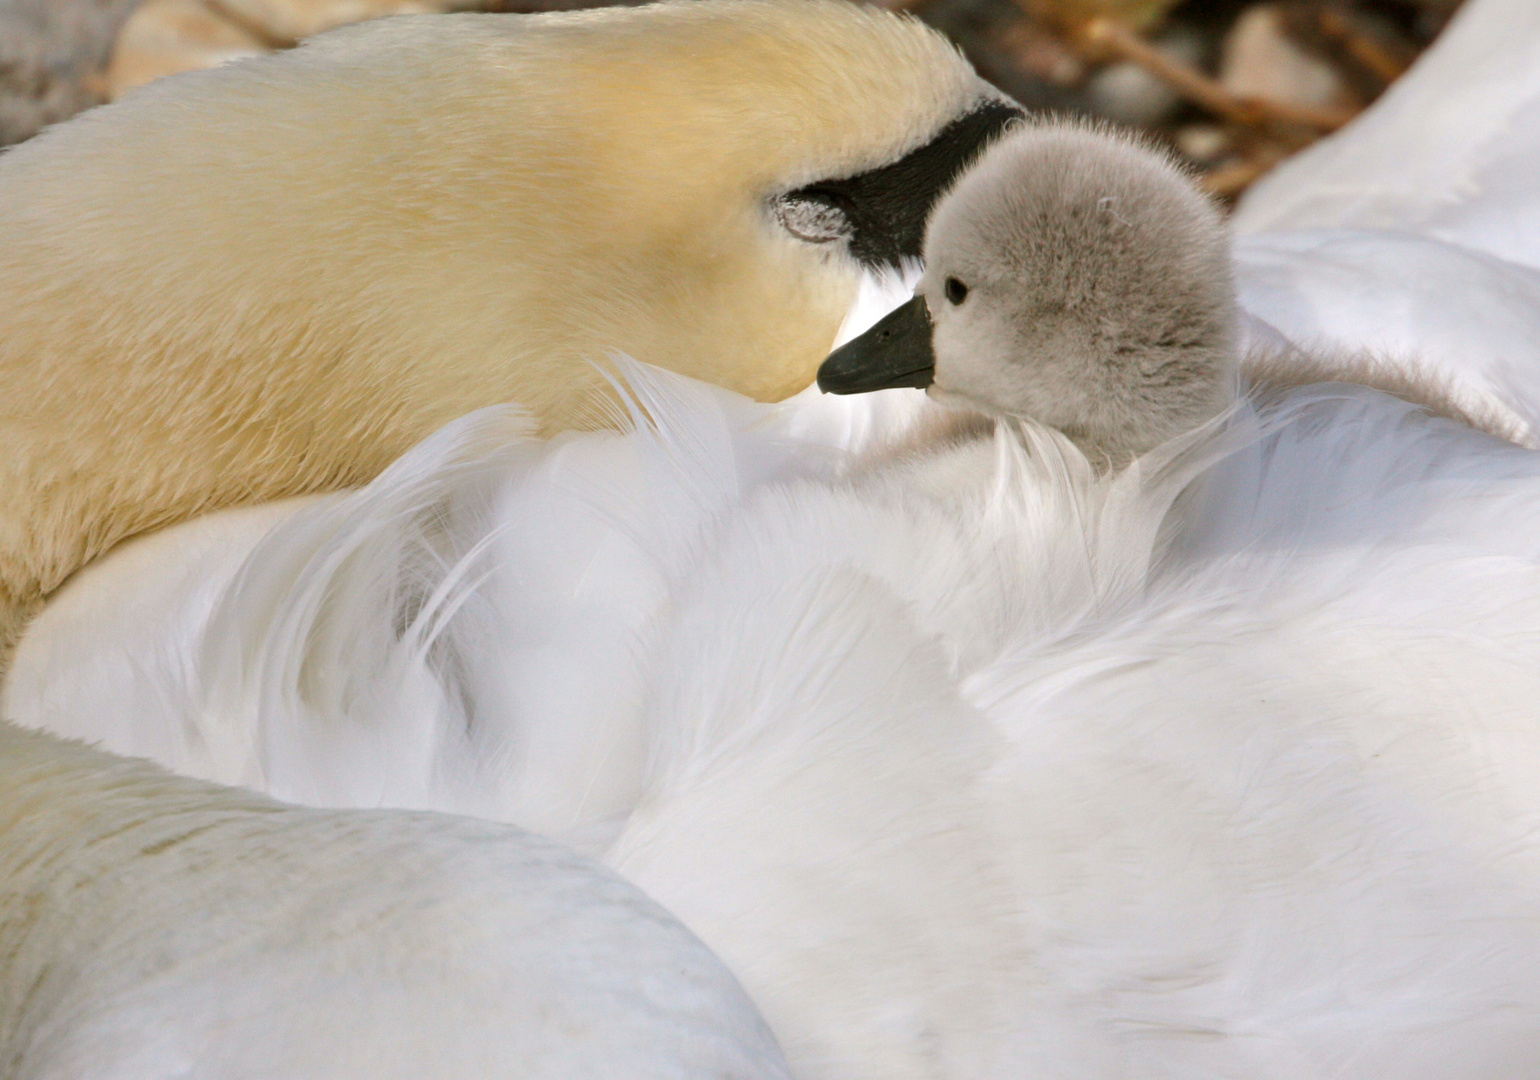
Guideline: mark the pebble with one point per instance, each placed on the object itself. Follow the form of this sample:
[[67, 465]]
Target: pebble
[[1203, 144], [164, 37], [285, 22], [1126, 93], [1258, 59]]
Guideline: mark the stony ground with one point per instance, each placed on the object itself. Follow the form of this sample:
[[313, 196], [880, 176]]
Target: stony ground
[[1235, 86]]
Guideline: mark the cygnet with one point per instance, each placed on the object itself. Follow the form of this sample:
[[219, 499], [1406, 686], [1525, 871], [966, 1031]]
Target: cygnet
[[1072, 276]]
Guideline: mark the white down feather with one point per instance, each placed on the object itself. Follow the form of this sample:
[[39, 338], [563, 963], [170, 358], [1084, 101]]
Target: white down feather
[[968, 765]]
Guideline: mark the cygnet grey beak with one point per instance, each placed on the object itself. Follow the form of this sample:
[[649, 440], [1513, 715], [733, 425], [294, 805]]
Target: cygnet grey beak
[[895, 352]]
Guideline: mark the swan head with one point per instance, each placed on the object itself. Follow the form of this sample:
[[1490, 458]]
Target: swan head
[[492, 202], [1073, 276]]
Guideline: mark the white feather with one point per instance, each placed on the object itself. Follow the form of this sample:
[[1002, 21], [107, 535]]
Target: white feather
[[987, 763], [157, 926]]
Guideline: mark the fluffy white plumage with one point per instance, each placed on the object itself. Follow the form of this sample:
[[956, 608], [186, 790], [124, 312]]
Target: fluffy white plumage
[[1466, 318], [973, 764], [1018, 772], [157, 926]]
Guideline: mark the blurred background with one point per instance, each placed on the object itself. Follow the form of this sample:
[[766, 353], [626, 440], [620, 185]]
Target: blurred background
[[1234, 86]]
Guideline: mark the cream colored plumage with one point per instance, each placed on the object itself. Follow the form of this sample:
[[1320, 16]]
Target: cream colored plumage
[[276, 276]]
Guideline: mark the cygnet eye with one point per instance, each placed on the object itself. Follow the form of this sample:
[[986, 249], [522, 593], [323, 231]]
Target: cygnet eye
[[811, 218], [956, 291]]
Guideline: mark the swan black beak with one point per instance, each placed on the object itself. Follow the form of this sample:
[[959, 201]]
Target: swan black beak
[[895, 352]]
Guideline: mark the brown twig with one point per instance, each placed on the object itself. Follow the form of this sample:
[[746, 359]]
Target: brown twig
[[1111, 36], [1340, 29], [236, 17]]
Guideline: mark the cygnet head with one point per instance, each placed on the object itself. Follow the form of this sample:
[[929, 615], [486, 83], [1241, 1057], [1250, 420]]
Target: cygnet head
[[1072, 276]]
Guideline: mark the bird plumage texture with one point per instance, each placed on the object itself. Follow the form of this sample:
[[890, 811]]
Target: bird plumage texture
[[1094, 290], [153, 925], [276, 276], [969, 757], [976, 761]]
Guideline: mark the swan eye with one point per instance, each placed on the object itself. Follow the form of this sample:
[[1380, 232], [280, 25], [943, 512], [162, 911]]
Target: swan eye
[[813, 219], [956, 291]]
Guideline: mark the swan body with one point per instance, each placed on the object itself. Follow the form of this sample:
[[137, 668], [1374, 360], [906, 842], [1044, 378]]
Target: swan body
[[158, 926], [1258, 803], [274, 277], [1224, 759], [1386, 296]]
